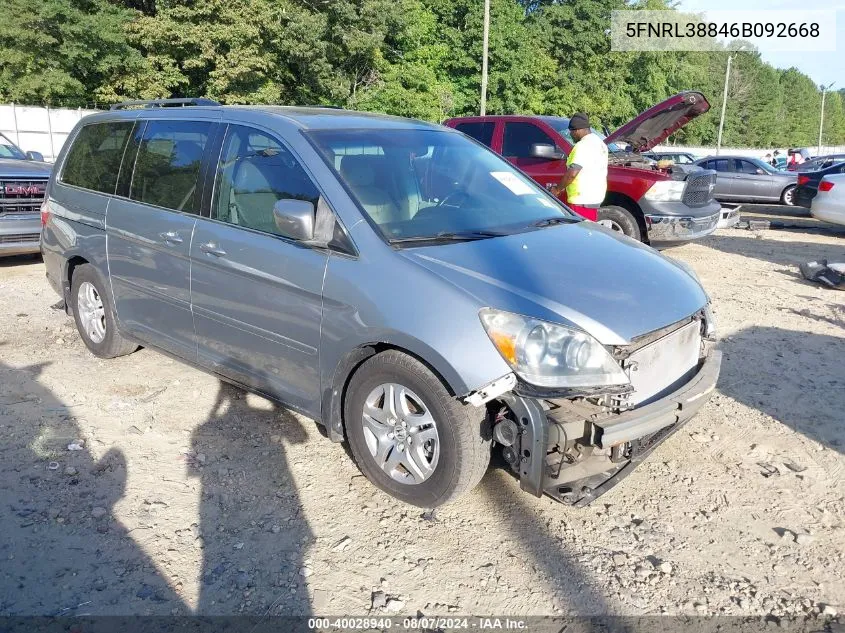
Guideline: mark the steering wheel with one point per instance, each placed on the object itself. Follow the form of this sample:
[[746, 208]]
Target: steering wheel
[[458, 193]]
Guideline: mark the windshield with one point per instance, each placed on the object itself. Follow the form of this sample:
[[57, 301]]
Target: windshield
[[561, 126], [430, 184], [9, 150]]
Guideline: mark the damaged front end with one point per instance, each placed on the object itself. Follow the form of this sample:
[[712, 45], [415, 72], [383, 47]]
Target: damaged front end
[[574, 445]]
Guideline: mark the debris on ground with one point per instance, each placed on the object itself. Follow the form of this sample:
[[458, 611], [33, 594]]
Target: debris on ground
[[830, 274]]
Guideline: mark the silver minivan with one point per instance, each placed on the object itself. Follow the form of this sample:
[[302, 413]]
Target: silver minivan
[[394, 280]]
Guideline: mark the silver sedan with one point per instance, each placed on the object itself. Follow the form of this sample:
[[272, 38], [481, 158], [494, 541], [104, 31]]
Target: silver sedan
[[743, 179]]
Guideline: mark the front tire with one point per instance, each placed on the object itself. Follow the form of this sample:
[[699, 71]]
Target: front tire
[[621, 220], [410, 436], [94, 315], [788, 196]]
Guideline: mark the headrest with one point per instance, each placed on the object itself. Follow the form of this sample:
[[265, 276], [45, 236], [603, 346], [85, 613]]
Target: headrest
[[250, 177], [361, 170]]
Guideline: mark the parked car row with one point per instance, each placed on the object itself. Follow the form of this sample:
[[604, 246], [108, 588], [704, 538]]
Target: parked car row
[[417, 294], [743, 179]]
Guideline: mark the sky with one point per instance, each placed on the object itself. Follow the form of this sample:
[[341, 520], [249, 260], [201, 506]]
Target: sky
[[823, 68]]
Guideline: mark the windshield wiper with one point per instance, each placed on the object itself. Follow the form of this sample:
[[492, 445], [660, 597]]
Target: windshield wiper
[[541, 224], [448, 236]]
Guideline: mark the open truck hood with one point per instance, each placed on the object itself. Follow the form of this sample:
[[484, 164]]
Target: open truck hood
[[656, 124]]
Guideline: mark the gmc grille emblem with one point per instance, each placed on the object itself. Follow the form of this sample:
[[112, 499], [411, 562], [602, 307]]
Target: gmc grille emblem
[[23, 190]]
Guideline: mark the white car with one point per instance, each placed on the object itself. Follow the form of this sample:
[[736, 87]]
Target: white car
[[829, 203]]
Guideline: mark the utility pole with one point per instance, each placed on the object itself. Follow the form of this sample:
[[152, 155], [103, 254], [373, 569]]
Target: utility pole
[[486, 37], [821, 119], [724, 105]]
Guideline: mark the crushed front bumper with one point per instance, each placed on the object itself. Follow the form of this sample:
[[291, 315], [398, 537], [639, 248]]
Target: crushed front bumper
[[676, 228], [674, 222], [641, 430], [729, 218]]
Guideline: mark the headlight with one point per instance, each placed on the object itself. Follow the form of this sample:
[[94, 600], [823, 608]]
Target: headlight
[[666, 191], [550, 355]]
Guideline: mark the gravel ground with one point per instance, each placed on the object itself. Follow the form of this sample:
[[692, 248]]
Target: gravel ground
[[191, 496]]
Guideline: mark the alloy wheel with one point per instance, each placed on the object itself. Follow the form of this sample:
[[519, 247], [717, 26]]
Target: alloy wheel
[[92, 314], [401, 433]]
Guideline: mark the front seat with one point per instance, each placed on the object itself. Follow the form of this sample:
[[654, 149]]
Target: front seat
[[253, 195], [368, 177]]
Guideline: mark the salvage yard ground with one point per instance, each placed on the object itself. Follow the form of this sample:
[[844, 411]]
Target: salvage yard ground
[[189, 495]]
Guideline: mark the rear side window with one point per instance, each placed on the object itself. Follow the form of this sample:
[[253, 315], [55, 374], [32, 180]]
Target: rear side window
[[167, 168], [481, 131], [719, 165], [254, 173], [93, 161], [519, 137]]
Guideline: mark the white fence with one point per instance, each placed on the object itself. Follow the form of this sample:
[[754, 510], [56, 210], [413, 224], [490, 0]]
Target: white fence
[[38, 129], [700, 152]]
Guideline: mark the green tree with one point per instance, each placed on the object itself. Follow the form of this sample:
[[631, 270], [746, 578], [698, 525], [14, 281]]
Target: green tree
[[71, 52]]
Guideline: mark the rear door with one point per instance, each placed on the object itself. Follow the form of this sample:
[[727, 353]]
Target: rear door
[[518, 138], [256, 295], [149, 227]]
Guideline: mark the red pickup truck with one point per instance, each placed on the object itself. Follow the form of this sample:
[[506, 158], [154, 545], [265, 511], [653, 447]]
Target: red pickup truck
[[656, 204]]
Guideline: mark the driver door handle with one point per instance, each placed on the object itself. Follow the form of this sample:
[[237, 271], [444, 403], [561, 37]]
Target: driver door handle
[[171, 237], [212, 248]]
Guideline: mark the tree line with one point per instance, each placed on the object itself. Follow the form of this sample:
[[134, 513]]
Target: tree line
[[415, 58]]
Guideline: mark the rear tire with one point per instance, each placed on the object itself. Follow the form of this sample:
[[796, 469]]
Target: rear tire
[[393, 399], [621, 220], [94, 314], [788, 196]]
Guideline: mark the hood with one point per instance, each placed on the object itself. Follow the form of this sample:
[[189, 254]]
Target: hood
[[656, 124], [576, 274], [15, 168]]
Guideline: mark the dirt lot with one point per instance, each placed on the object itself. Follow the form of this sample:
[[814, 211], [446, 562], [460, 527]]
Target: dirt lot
[[191, 496]]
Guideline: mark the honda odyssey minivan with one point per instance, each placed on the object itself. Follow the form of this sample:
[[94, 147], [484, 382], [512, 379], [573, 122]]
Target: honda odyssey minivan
[[396, 281]]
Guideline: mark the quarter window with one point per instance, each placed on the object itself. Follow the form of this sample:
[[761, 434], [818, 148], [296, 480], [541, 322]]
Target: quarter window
[[93, 161], [519, 137], [254, 173], [481, 131], [168, 164]]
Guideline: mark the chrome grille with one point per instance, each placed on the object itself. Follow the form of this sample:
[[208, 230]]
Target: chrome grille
[[20, 196], [699, 189]]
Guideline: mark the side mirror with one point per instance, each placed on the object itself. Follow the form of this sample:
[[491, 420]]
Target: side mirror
[[546, 151], [35, 156], [294, 219]]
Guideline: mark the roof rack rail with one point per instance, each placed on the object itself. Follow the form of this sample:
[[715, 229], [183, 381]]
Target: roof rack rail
[[164, 103]]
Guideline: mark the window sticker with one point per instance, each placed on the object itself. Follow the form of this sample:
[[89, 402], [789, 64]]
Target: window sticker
[[513, 182]]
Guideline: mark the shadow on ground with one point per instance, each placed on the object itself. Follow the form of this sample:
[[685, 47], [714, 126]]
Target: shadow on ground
[[63, 553], [784, 253], [799, 379], [253, 529]]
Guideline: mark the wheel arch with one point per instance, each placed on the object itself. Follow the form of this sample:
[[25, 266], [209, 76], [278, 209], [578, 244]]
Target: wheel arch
[[334, 394], [629, 204], [71, 264]]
